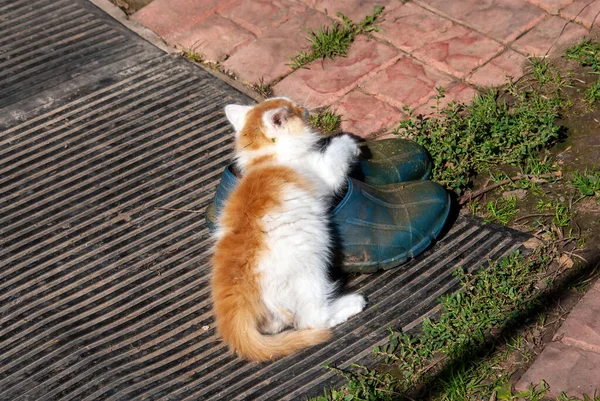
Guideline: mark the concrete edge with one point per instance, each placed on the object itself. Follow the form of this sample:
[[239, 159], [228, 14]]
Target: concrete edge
[[232, 82], [119, 15]]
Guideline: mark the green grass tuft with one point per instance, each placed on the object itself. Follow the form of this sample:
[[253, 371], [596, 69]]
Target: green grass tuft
[[561, 215], [191, 55], [501, 210], [464, 140], [327, 121], [334, 41], [264, 89], [587, 183], [587, 53], [592, 94], [546, 74]]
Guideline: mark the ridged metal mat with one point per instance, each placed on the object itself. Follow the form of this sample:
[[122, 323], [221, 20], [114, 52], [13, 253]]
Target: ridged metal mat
[[104, 294]]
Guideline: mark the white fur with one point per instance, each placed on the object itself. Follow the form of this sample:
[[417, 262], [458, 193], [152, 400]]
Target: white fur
[[296, 288]]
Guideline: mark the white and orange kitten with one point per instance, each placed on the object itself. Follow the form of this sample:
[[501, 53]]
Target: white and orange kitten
[[271, 289]]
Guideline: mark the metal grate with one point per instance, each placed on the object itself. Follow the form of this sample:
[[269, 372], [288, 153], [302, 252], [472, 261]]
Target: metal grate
[[104, 294], [47, 42]]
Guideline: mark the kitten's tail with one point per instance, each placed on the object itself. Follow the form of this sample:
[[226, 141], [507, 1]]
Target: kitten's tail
[[240, 332]]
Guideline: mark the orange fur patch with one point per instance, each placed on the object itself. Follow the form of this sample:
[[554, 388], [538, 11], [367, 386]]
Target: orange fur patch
[[237, 299], [252, 136]]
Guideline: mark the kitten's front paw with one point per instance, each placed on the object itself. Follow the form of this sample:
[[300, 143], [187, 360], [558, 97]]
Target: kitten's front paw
[[346, 144]]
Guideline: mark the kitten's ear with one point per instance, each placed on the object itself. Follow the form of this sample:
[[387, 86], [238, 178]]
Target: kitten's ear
[[236, 115], [278, 118]]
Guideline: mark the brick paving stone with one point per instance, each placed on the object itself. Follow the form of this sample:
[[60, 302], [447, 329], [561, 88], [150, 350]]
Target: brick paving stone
[[582, 12], [406, 82], [258, 16], [460, 54], [499, 70], [268, 57], [552, 6], [504, 20], [410, 27], [321, 83], [458, 92], [365, 116], [215, 38], [172, 17], [582, 327], [564, 368], [548, 37], [356, 10]]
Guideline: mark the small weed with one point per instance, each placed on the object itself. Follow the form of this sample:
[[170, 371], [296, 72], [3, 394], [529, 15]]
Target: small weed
[[536, 393], [191, 55], [540, 69], [464, 140], [587, 183], [535, 166], [561, 215], [546, 73], [474, 207], [326, 121], [587, 53], [263, 89], [501, 210], [363, 385], [592, 94], [334, 41]]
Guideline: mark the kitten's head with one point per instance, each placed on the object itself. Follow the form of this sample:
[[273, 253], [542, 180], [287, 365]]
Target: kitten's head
[[274, 127]]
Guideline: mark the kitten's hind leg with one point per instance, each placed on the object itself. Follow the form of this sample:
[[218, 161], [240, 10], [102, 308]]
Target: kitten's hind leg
[[276, 322], [344, 307], [273, 326]]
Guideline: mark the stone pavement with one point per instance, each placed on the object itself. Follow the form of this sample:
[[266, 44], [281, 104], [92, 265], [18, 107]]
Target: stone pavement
[[460, 45], [571, 362]]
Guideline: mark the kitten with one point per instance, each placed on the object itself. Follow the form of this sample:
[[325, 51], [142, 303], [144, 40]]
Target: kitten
[[273, 244]]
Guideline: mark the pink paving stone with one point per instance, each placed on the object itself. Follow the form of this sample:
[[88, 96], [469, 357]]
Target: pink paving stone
[[497, 72], [363, 115], [406, 82], [504, 20], [323, 82], [214, 38], [171, 17], [356, 10], [548, 36], [582, 327], [552, 6], [564, 368], [410, 27], [460, 54], [268, 57], [582, 13], [258, 16], [458, 92]]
